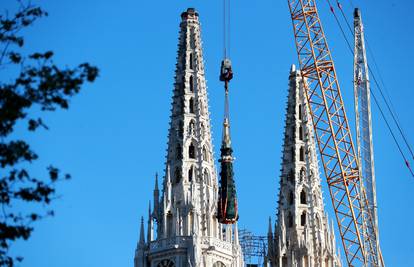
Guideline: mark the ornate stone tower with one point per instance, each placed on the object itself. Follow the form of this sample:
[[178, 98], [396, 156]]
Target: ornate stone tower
[[302, 235], [184, 214]]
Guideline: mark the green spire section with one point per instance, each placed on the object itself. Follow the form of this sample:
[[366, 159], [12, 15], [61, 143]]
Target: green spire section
[[227, 201]]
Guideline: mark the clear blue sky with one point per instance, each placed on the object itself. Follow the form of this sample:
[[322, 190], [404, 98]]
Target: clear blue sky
[[113, 138]]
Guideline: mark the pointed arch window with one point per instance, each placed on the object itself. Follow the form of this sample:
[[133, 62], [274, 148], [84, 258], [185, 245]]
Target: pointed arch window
[[302, 174], [293, 132], [302, 154], [191, 61], [291, 198], [290, 220], [177, 175], [303, 219], [191, 174], [205, 154], [179, 152], [300, 112], [191, 84], [301, 133], [191, 128], [180, 129], [191, 105], [191, 151], [303, 197]]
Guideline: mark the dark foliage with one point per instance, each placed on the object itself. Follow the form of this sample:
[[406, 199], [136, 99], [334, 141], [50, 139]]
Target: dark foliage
[[38, 85]]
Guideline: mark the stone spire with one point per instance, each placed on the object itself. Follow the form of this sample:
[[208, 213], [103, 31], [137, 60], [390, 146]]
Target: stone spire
[[302, 234], [190, 151], [188, 233], [141, 234], [156, 194]]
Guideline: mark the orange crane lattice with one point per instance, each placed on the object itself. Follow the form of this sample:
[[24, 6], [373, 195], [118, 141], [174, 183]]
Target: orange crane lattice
[[333, 135]]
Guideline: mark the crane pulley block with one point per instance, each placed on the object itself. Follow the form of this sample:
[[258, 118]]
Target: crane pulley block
[[226, 72]]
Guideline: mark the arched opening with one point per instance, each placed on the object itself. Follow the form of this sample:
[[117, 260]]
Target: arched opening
[[302, 154], [191, 105], [191, 84], [302, 174], [178, 152], [190, 174], [191, 151], [301, 133], [303, 219], [191, 61], [191, 128], [177, 175], [300, 112], [291, 198], [205, 154], [290, 220], [303, 197]]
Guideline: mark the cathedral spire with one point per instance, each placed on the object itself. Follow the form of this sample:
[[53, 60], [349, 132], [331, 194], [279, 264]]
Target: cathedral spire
[[302, 224], [185, 211]]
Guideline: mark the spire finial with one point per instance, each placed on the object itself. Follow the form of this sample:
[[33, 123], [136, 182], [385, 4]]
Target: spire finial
[[156, 181], [269, 232]]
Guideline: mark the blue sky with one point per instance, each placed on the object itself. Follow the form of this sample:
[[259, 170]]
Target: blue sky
[[113, 138]]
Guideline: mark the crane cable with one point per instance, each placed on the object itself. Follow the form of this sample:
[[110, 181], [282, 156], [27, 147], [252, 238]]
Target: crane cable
[[388, 103], [226, 51], [375, 99], [226, 28]]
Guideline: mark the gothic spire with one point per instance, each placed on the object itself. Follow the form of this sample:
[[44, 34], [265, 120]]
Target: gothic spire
[[187, 206], [301, 216]]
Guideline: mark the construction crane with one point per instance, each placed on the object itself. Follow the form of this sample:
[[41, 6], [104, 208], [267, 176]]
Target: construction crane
[[363, 122], [336, 148]]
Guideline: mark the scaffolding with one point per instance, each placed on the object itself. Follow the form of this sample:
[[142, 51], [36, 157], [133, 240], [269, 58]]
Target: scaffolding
[[254, 248]]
